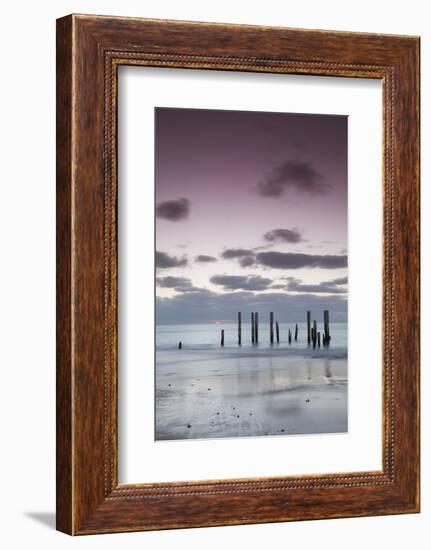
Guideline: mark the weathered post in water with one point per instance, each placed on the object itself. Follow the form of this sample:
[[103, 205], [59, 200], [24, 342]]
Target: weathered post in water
[[296, 332], [271, 327], [314, 333], [277, 332], [256, 327], [318, 338], [239, 328], [180, 345], [290, 337], [222, 337], [308, 327], [252, 327], [326, 335]]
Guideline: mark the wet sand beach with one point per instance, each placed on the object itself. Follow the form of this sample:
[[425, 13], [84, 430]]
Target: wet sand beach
[[210, 392]]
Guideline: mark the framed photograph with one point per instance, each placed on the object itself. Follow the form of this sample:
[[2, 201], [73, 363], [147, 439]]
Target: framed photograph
[[237, 274]]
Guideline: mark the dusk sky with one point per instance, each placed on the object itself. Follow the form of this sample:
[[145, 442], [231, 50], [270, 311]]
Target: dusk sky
[[251, 214]]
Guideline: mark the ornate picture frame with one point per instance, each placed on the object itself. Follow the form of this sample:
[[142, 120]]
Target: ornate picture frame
[[89, 51]]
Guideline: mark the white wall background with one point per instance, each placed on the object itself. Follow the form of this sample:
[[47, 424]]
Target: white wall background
[[27, 297]]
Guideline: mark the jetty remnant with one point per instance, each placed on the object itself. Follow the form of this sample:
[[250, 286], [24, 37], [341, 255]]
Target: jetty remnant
[[314, 333], [252, 327], [271, 327], [326, 334], [314, 337]]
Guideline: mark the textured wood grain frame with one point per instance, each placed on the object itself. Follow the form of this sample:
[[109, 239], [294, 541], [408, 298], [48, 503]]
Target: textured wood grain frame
[[89, 51]]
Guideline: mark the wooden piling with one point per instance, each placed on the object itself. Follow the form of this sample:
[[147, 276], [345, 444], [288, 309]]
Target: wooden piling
[[239, 328], [290, 336], [222, 337], [308, 327], [256, 327], [314, 333], [180, 345], [326, 334], [271, 327], [318, 339], [252, 327], [277, 332], [296, 332]]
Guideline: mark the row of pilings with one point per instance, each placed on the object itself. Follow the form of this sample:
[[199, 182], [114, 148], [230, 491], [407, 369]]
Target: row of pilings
[[314, 337]]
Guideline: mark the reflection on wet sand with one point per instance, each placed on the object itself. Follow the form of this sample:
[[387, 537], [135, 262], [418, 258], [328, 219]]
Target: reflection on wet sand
[[263, 395]]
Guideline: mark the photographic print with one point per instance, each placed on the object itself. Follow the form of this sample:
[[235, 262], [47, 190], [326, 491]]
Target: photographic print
[[250, 274]]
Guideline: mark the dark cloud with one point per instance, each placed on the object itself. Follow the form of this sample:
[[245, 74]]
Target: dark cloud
[[241, 282], [230, 253], [245, 256], [178, 283], [284, 235], [291, 260], [164, 261], [299, 176], [206, 306], [328, 287], [247, 261], [203, 258], [174, 210]]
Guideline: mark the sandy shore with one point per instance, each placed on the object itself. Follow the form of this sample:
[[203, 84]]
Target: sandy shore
[[248, 392]]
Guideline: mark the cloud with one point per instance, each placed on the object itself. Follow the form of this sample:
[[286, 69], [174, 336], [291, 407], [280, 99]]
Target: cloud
[[174, 282], [291, 260], [205, 306], [174, 210], [247, 261], [245, 256], [179, 284], [299, 176], [230, 253], [241, 282], [164, 261], [284, 235], [329, 287], [203, 258]]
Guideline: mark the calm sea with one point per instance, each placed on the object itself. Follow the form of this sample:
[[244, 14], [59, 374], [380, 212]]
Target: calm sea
[[203, 336]]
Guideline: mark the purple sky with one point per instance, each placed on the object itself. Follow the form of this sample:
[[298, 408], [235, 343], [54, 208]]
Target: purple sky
[[251, 207]]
